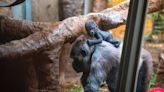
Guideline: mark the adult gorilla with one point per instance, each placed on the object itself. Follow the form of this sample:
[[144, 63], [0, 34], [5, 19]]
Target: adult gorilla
[[100, 63]]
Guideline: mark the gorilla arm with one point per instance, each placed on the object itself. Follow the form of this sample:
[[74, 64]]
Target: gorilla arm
[[96, 76]]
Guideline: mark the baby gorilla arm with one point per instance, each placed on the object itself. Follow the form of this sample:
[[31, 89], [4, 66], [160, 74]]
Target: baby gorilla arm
[[94, 42]]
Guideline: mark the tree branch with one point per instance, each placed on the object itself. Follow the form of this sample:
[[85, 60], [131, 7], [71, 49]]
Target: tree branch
[[69, 28], [12, 29]]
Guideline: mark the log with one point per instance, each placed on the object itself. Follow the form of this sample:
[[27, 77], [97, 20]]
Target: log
[[15, 29], [68, 29], [12, 29]]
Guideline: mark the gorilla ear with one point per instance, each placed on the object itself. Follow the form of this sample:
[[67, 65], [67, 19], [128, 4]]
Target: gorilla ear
[[83, 53]]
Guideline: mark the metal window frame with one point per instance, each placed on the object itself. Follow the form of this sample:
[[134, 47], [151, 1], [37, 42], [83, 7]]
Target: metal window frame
[[128, 72], [87, 6]]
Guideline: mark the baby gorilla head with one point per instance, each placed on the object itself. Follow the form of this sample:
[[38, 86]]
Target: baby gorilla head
[[91, 27]]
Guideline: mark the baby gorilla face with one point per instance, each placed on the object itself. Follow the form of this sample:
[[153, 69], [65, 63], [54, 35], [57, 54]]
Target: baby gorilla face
[[90, 26], [91, 33]]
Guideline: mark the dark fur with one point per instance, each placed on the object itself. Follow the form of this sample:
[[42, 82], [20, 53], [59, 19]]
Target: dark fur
[[100, 63], [95, 65]]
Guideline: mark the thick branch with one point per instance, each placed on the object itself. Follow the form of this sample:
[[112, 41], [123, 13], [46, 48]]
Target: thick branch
[[11, 29], [67, 29]]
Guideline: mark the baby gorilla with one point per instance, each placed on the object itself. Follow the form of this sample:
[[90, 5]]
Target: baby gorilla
[[94, 32], [100, 63]]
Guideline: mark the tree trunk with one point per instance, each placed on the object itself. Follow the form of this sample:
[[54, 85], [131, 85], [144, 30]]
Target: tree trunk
[[17, 75]]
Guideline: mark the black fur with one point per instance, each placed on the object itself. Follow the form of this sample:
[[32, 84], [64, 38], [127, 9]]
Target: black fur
[[96, 66], [101, 64]]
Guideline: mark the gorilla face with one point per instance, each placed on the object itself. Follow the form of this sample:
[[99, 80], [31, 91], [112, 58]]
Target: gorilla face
[[91, 27], [90, 24], [81, 54]]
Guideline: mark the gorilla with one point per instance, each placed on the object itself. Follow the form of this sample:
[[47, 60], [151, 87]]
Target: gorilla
[[99, 35], [99, 63]]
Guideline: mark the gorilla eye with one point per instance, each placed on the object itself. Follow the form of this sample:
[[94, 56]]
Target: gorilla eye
[[83, 53]]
